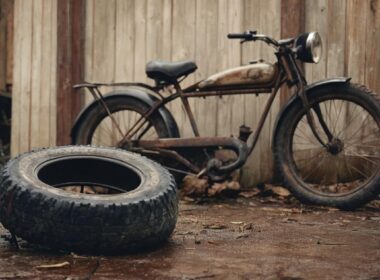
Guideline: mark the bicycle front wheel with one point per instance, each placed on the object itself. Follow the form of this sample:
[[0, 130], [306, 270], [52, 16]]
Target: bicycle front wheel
[[344, 171]]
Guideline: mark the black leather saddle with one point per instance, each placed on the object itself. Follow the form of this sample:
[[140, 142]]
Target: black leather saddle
[[169, 71]]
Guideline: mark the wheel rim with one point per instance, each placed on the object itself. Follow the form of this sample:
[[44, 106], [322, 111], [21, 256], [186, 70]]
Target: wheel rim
[[111, 130], [350, 159], [88, 174]]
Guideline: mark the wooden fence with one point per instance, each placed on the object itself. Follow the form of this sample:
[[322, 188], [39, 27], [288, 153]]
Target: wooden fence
[[6, 44], [120, 36]]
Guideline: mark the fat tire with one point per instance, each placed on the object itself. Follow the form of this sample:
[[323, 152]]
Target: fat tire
[[101, 224], [363, 96]]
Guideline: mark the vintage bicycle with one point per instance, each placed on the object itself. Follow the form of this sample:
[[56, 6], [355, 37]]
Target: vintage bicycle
[[325, 141]]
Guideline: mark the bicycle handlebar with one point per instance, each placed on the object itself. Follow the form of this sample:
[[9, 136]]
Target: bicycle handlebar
[[244, 36], [253, 36]]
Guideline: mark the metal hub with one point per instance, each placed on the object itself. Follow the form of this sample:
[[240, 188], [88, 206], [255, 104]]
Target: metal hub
[[335, 146]]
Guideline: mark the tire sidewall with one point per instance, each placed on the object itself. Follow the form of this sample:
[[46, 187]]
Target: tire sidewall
[[24, 169], [86, 223]]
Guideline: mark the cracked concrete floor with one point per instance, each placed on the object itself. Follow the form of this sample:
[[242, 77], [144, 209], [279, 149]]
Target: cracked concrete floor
[[229, 239]]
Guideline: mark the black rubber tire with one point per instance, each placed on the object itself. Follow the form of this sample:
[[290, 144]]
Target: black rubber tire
[[283, 161], [101, 224], [93, 118]]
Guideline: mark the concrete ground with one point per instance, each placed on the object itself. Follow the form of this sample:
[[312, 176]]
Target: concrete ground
[[243, 238]]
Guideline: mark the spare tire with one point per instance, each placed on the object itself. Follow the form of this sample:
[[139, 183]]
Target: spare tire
[[141, 211]]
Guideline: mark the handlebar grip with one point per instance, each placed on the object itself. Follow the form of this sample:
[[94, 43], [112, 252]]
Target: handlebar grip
[[239, 36]]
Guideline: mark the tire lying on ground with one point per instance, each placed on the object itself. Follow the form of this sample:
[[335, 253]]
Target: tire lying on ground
[[141, 211]]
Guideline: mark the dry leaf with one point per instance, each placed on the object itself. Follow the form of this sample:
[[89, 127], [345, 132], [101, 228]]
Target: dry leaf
[[280, 191], [191, 185], [242, 236], [249, 194], [214, 226], [237, 223], [56, 265]]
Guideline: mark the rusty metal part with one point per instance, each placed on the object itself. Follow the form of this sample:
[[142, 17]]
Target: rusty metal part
[[99, 97], [244, 133], [295, 71], [192, 142], [280, 81], [218, 91], [96, 85], [203, 142], [168, 153], [179, 158], [189, 113], [257, 73]]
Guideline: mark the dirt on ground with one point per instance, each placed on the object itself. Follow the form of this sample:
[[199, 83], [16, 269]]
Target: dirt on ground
[[249, 237]]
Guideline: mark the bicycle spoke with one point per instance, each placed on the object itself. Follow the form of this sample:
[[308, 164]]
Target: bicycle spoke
[[357, 170], [350, 121], [313, 170], [365, 157], [307, 158], [105, 135], [360, 127], [328, 169], [362, 138]]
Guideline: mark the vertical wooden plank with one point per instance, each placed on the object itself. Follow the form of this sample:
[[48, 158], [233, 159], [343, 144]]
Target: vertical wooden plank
[[372, 61], [51, 69], [26, 30], [124, 43], [104, 40], [356, 25], [229, 21], [317, 20], [3, 44], [140, 41], [9, 47], [377, 42], [16, 108], [270, 22], [153, 29], [6, 42], [167, 21], [70, 56], [251, 52], [334, 46], [292, 24], [104, 50], [36, 73], [89, 42], [124, 54], [265, 15], [207, 60], [183, 48]]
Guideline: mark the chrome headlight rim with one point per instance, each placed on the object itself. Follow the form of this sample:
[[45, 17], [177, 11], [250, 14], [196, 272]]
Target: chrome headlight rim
[[309, 47]]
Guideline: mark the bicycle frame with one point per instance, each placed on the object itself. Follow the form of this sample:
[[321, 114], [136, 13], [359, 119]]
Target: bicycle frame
[[287, 70]]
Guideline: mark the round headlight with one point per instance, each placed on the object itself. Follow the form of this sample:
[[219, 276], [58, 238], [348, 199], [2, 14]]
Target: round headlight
[[309, 47]]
